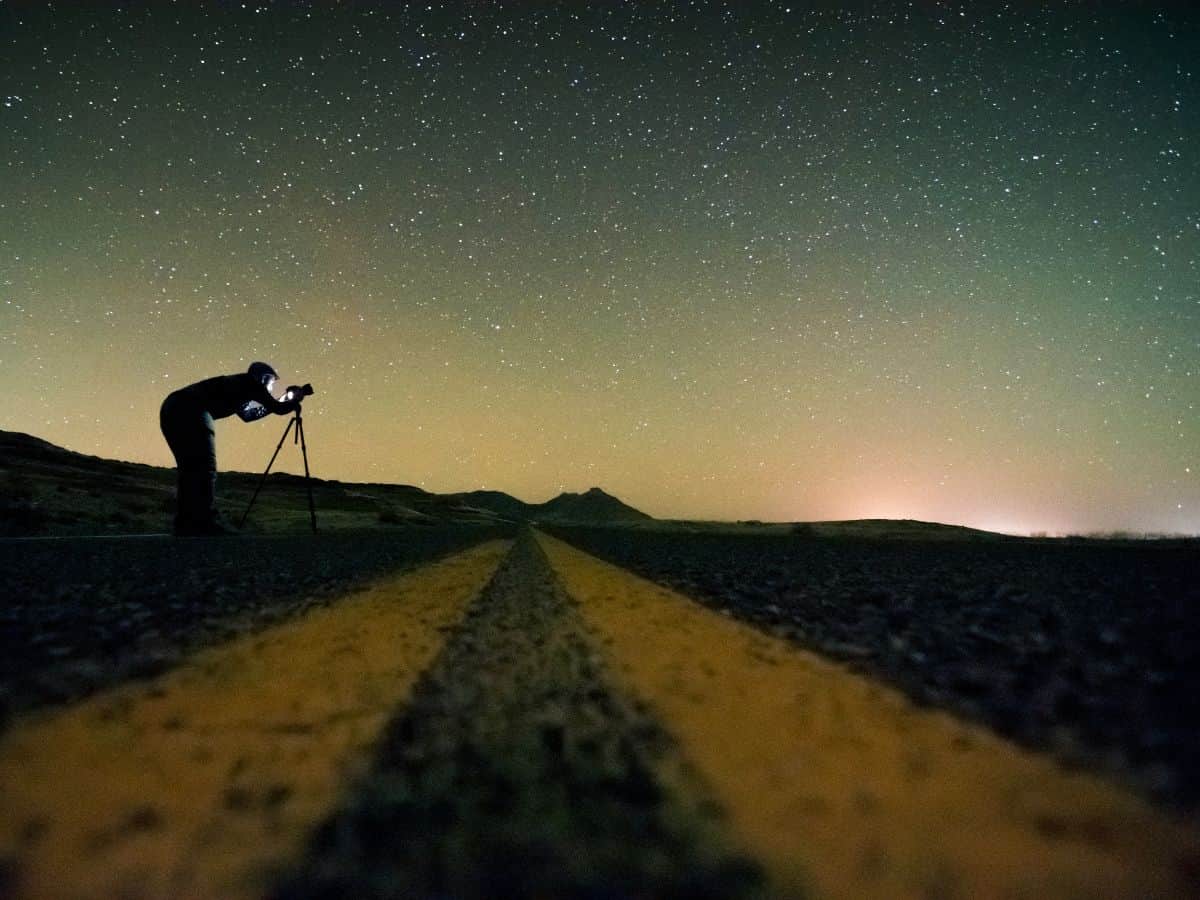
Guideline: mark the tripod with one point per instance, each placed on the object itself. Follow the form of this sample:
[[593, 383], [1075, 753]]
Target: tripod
[[298, 438]]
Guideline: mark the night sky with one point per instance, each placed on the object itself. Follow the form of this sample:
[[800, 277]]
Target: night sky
[[725, 260]]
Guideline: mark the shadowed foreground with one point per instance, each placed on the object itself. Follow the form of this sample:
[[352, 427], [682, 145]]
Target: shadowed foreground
[[537, 722], [519, 771], [1085, 649]]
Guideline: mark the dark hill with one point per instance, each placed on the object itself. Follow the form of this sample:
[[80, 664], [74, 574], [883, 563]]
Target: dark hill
[[46, 489], [592, 506], [506, 506]]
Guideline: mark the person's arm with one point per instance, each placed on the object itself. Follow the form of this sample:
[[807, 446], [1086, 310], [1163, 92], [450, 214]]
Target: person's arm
[[252, 411], [263, 404]]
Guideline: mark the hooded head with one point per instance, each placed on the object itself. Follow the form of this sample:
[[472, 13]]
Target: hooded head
[[263, 374]]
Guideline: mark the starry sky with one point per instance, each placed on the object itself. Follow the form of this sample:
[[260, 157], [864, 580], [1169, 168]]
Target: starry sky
[[726, 260]]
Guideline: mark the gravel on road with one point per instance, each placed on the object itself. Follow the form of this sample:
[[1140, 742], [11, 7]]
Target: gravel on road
[[80, 614], [518, 771], [1086, 649]]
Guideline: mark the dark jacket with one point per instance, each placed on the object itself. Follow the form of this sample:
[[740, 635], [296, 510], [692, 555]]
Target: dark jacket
[[225, 395]]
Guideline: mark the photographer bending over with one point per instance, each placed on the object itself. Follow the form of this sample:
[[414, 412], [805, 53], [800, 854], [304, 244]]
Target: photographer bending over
[[187, 418]]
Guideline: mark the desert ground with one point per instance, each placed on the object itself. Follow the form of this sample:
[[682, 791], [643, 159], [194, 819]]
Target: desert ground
[[429, 698]]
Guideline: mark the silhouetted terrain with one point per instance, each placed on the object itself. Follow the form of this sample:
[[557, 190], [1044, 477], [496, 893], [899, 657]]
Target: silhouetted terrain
[[592, 506], [47, 490]]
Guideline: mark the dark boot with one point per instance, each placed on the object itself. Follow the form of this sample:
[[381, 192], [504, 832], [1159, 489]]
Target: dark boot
[[196, 508]]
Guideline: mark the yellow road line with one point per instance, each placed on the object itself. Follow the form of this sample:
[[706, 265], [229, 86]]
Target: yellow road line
[[840, 786], [205, 781]]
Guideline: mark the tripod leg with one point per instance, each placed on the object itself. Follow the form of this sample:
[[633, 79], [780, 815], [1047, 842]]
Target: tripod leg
[[263, 480], [312, 509]]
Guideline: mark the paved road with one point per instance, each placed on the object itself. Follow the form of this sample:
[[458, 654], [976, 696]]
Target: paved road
[[525, 720], [82, 614], [1084, 649], [518, 770]]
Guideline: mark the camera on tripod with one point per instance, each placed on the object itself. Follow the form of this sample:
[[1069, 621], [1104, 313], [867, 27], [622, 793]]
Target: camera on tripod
[[298, 392], [294, 394]]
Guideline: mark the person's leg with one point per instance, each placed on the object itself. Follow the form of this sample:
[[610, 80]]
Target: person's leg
[[208, 500], [172, 421], [189, 434]]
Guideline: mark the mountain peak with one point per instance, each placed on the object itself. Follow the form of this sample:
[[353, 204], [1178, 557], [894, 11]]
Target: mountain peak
[[593, 505]]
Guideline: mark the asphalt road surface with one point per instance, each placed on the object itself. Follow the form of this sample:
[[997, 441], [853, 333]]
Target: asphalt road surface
[[521, 719], [83, 613], [1085, 650]]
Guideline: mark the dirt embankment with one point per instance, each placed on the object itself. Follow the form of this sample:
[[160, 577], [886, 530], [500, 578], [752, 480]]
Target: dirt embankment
[[1086, 650]]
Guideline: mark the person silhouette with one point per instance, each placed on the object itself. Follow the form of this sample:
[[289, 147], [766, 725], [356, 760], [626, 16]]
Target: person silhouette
[[186, 419]]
